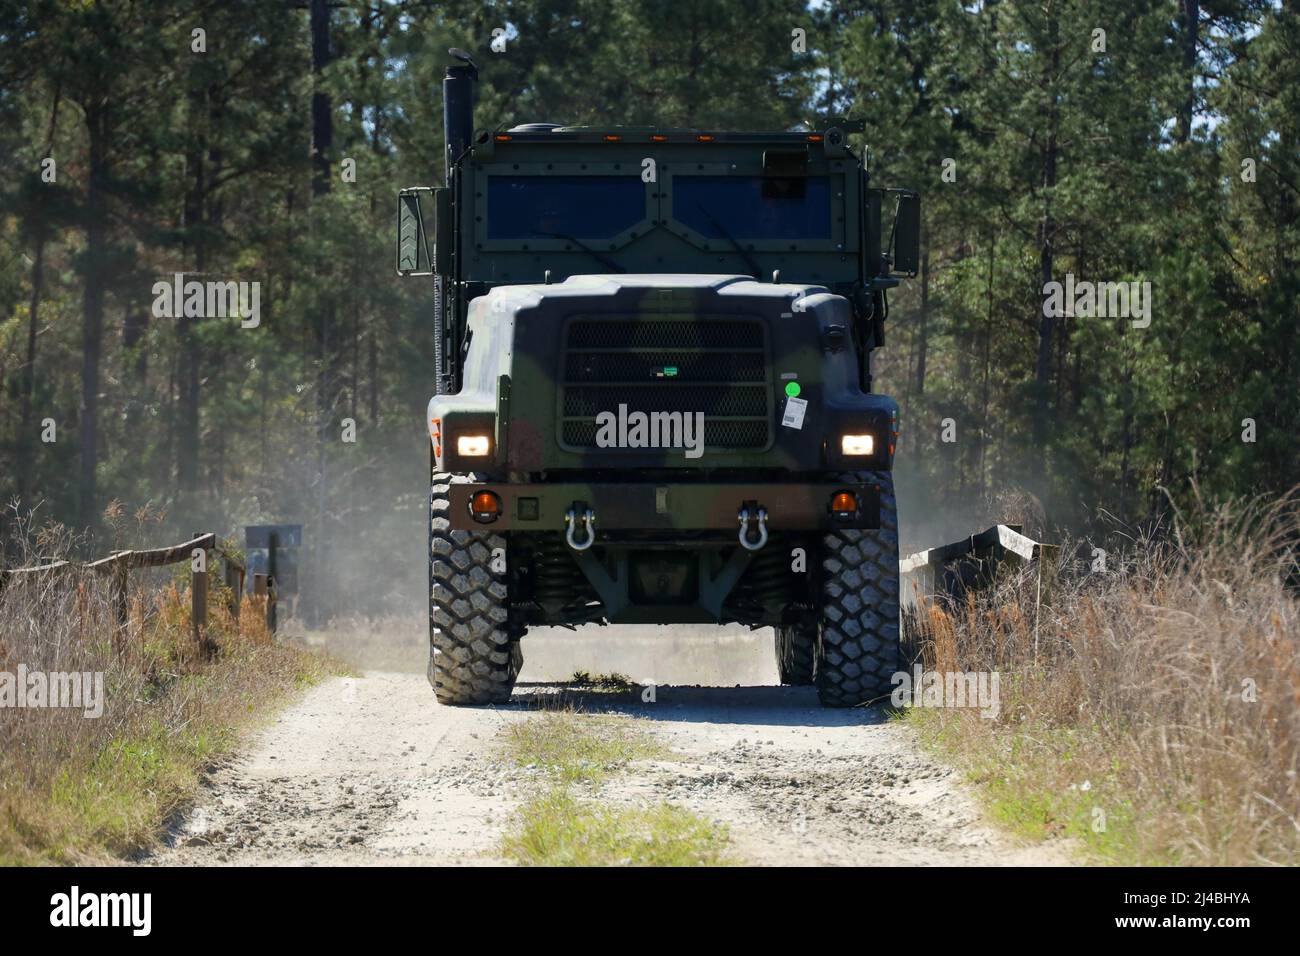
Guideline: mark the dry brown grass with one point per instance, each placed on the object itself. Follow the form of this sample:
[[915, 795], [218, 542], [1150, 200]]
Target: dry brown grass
[[74, 788], [1151, 712]]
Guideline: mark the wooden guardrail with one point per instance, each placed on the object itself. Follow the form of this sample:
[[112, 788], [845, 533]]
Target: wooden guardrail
[[120, 563]]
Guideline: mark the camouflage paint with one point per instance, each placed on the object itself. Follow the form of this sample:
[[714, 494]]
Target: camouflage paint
[[510, 303]]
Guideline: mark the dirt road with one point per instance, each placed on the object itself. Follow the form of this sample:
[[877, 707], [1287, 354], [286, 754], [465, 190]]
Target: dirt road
[[370, 770]]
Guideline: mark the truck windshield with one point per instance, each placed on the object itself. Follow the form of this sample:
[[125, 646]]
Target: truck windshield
[[583, 207], [715, 206]]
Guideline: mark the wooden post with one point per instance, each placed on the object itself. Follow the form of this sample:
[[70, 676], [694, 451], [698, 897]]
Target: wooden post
[[120, 601], [234, 582], [270, 604], [262, 595], [1045, 585], [227, 574], [199, 605], [272, 568]]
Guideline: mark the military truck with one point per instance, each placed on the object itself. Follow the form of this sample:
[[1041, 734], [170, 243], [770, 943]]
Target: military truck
[[653, 394]]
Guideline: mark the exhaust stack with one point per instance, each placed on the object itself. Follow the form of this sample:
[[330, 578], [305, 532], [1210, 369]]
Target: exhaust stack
[[458, 89]]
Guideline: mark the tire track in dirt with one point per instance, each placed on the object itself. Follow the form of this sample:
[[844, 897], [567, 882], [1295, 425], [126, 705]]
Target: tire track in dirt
[[371, 770]]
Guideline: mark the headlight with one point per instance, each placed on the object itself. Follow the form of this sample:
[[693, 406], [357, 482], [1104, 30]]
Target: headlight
[[472, 446], [857, 444]]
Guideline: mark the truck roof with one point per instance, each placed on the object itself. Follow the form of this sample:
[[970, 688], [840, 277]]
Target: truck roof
[[733, 284], [552, 133]]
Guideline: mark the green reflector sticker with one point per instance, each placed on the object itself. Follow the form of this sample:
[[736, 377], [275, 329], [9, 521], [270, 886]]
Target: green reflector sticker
[[792, 389]]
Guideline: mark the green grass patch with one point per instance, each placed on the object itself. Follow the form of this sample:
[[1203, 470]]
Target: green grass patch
[[557, 829], [609, 682], [1041, 783], [564, 823], [106, 791], [579, 748]]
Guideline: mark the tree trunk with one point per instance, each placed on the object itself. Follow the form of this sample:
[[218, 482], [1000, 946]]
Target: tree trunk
[[1191, 34], [988, 369], [922, 332], [1046, 238], [187, 445], [28, 384], [322, 117], [135, 326], [322, 141], [1282, 456], [374, 379], [92, 324]]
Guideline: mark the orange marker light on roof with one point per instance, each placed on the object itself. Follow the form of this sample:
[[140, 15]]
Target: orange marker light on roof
[[658, 138], [503, 137], [814, 137], [612, 138], [705, 137]]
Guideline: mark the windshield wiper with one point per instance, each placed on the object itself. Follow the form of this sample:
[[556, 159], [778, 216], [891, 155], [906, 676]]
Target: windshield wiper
[[600, 257], [749, 260]]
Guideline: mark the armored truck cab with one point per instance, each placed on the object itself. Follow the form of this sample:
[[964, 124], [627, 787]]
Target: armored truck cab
[[653, 392]]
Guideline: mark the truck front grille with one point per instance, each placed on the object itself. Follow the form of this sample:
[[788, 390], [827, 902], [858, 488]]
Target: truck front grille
[[715, 365]]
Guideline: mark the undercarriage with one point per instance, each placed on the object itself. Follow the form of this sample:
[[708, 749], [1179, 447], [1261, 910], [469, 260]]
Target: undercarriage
[[829, 589], [679, 577]]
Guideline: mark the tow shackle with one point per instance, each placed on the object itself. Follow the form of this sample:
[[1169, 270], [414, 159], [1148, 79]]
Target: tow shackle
[[744, 517], [588, 518]]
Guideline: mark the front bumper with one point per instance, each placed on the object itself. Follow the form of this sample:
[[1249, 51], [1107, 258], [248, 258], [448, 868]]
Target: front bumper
[[667, 507]]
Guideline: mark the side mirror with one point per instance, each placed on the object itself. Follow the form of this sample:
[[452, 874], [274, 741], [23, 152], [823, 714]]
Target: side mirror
[[905, 245], [413, 254]]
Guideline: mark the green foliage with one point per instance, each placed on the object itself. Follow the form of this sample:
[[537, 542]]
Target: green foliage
[[1070, 159], [577, 748], [566, 822], [1066, 160], [559, 829]]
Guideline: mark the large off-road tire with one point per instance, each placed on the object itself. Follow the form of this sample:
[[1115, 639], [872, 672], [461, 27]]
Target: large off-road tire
[[857, 647], [795, 650], [474, 654]]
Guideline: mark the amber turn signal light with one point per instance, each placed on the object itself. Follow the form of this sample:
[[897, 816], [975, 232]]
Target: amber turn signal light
[[485, 506], [844, 503]]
